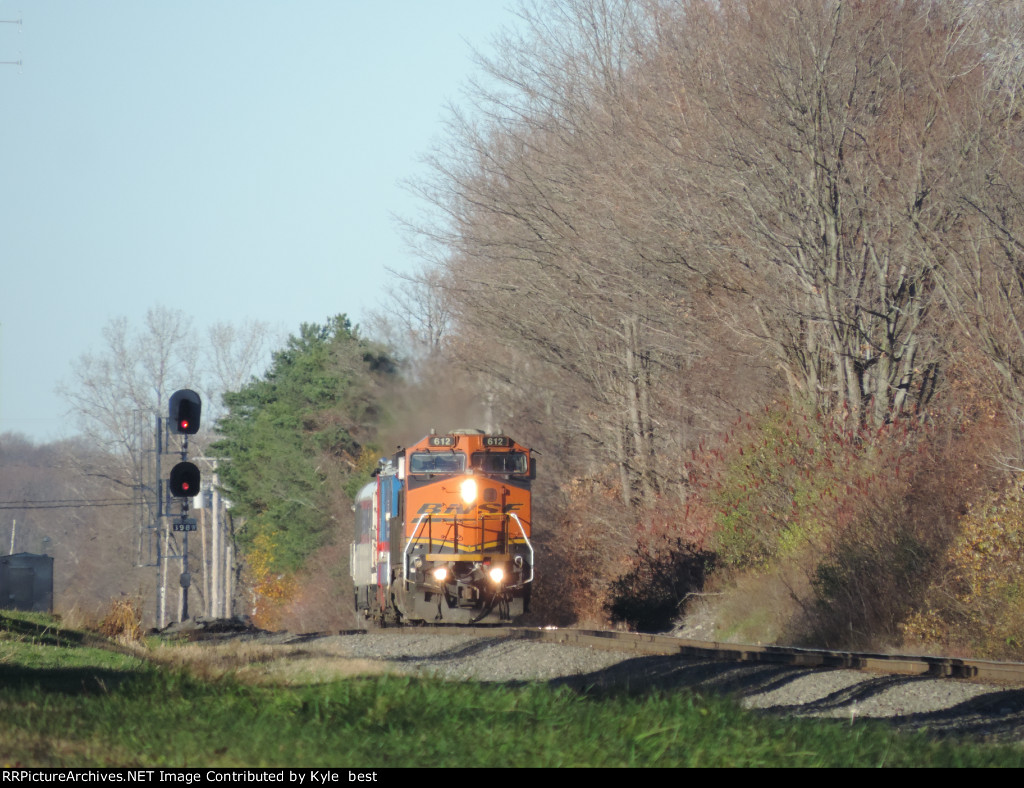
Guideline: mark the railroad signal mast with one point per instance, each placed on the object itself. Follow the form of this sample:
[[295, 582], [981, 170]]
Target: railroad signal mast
[[184, 414]]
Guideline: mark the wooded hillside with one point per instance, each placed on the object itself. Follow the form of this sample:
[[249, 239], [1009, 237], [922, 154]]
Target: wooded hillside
[[792, 225]]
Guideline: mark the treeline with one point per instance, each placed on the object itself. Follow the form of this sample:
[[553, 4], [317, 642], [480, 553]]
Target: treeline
[[682, 207], [63, 499], [659, 218]]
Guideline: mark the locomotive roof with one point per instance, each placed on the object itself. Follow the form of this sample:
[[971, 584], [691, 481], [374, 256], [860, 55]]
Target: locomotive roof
[[463, 439]]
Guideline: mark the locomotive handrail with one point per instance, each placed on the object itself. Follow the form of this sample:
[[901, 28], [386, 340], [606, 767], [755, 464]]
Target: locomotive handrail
[[527, 540], [408, 546], [419, 524]]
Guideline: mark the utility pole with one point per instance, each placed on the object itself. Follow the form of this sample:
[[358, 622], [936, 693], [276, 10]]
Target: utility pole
[[216, 565]]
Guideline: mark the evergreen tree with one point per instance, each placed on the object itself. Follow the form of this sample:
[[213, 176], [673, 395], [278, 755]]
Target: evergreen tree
[[312, 418]]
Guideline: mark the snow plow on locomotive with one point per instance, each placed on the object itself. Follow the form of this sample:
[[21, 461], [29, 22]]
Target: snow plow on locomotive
[[443, 533]]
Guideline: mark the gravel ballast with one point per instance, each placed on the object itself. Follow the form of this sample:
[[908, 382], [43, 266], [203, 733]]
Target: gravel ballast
[[947, 707]]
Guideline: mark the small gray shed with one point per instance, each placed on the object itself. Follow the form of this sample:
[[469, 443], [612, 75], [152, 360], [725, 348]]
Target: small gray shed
[[26, 582]]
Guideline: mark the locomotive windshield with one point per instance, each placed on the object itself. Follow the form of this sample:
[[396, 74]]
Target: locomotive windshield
[[437, 462], [513, 462]]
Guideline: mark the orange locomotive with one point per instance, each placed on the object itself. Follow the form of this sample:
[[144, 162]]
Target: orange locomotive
[[443, 532]]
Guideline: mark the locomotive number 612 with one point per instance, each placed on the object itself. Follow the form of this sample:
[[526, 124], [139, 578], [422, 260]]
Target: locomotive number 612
[[443, 533]]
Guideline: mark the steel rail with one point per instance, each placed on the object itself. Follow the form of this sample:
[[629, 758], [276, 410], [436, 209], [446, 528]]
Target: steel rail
[[666, 645], [989, 671]]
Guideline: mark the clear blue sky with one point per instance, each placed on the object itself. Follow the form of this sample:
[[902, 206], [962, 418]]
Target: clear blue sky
[[255, 148]]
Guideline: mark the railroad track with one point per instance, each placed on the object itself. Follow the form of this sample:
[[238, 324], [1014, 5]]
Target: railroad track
[[942, 695], [1007, 673]]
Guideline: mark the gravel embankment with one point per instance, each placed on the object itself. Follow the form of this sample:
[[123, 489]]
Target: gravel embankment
[[943, 706]]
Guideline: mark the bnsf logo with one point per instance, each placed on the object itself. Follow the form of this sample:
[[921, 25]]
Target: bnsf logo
[[453, 508]]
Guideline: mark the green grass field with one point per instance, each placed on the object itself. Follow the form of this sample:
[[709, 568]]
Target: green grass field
[[64, 702]]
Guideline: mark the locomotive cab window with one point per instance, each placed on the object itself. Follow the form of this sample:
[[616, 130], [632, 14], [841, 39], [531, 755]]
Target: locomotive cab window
[[437, 462], [511, 462]]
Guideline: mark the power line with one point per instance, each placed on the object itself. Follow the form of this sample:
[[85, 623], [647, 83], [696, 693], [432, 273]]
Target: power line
[[12, 62], [64, 504]]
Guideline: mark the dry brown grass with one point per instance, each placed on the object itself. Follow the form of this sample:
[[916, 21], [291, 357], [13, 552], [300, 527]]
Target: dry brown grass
[[262, 663], [123, 621], [83, 617]]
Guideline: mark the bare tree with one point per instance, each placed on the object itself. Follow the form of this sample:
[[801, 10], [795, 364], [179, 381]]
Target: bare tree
[[119, 393], [980, 252], [116, 393], [818, 148], [561, 251], [234, 354], [415, 319]]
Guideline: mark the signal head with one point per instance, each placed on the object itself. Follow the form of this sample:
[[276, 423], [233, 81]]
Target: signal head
[[185, 408], [184, 480]]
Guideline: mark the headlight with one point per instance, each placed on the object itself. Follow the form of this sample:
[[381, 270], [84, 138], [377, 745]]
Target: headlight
[[440, 574], [469, 490], [497, 574]]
